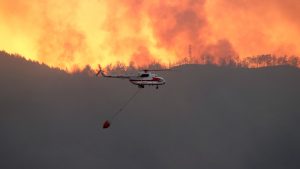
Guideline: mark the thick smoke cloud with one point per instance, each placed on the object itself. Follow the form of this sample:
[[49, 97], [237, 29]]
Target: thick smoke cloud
[[256, 27]]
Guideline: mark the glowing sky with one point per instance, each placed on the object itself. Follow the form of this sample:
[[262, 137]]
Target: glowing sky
[[75, 33]]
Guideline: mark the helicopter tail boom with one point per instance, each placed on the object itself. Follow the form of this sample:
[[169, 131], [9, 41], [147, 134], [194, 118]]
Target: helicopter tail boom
[[111, 76]]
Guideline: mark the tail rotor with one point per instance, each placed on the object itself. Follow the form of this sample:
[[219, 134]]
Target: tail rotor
[[99, 71]]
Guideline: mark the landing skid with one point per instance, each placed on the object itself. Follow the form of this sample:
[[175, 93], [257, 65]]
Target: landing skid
[[143, 86]]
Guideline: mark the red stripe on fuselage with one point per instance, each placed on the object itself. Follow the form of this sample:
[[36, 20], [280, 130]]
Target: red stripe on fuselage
[[155, 79]]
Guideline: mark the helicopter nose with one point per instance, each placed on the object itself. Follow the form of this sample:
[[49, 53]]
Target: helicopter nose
[[163, 80]]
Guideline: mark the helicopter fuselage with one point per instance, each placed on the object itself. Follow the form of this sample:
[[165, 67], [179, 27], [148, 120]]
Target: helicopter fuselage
[[147, 79], [143, 78]]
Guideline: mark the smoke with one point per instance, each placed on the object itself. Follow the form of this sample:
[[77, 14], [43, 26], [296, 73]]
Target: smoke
[[256, 27], [142, 57], [79, 33]]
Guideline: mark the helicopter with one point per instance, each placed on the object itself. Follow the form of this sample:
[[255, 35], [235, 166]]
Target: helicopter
[[142, 79]]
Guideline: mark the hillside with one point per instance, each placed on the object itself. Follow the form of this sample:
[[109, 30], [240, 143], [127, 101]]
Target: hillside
[[204, 117]]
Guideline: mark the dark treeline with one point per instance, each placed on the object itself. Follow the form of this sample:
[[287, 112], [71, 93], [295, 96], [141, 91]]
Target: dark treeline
[[265, 60], [270, 60]]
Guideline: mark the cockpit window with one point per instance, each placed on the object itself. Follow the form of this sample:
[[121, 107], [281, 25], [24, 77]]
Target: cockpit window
[[144, 75]]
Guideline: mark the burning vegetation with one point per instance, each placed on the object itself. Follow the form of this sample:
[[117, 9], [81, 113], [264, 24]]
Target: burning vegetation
[[72, 34]]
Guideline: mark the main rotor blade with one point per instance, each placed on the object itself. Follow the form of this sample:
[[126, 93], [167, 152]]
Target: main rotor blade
[[157, 70]]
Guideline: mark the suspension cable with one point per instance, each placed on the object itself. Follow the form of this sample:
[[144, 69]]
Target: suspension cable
[[126, 103]]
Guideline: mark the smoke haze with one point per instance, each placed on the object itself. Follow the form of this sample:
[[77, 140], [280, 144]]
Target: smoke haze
[[205, 117]]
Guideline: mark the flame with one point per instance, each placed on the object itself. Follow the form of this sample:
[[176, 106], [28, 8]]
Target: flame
[[72, 34]]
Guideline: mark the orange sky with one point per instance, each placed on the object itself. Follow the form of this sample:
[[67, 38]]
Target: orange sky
[[76, 33]]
